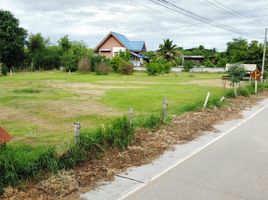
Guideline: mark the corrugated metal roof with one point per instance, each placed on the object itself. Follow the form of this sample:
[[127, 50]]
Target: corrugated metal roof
[[130, 45], [4, 136], [139, 55]]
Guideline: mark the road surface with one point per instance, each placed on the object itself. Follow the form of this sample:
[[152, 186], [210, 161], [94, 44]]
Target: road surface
[[234, 167]]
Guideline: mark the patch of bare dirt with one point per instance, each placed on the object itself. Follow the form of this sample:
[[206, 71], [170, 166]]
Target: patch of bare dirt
[[87, 88], [210, 82], [146, 147], [131, 82]]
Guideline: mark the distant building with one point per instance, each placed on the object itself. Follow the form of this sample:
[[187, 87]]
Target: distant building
[[113, 43], [198, 60]]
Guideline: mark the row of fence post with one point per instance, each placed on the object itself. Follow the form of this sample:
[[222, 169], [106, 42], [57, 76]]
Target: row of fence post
[[77, 125]]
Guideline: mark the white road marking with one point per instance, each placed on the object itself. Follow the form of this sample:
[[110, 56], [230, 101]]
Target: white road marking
[[191, 155]]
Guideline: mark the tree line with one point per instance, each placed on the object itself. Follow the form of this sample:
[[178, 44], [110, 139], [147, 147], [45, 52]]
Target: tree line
[[22, 51]]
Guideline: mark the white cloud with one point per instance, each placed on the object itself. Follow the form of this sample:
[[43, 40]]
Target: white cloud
[[91, 20]]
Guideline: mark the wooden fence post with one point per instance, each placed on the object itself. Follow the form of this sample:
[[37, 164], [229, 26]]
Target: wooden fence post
[[77, 127], [164, 109], [130, 115], [206, 100]]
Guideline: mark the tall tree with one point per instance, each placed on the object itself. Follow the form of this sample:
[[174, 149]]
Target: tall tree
[[254, 53], [168, 50], [12, 40], [36, 46], [64, 43], [237, 50]]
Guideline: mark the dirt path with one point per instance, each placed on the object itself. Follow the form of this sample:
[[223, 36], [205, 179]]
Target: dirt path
[[146, 147]]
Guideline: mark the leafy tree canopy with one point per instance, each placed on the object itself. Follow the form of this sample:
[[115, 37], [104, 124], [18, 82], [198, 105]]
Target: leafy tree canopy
[[168, 50], [12, 39]]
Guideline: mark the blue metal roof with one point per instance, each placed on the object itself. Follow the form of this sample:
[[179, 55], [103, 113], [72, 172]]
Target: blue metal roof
[[130, 45], [139, 55]]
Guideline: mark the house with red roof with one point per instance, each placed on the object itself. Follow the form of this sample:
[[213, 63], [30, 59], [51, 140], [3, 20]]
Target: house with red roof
[[115, 42]]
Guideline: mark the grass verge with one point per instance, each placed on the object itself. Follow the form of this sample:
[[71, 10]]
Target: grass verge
[[22, 162]]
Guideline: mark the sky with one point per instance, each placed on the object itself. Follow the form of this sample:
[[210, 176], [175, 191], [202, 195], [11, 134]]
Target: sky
[[91, 20]]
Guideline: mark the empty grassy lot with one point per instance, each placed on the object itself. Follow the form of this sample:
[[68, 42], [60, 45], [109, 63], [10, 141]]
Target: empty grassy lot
[[40, 107]]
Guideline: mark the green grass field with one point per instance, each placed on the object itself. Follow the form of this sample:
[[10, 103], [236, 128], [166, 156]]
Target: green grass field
[[40, 107]]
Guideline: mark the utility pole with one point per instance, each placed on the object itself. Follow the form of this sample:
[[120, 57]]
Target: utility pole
[[263, 58]]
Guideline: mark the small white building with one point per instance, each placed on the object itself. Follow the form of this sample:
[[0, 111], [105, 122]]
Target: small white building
[[248, 67]]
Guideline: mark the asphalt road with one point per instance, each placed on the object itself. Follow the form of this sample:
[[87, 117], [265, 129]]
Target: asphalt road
[[232, 168]]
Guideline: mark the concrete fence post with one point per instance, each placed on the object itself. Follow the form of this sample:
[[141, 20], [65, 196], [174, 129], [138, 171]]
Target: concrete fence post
[[256, 86], [206, 100], [77, 127], [164, 109], [130, 115]]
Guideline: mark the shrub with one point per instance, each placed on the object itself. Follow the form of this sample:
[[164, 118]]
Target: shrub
[[151, 122], [119, 134], [103, 68], [154, 68], [230, 94], [236, 74], [243, 92], [125, 67], [4, 70], [115, 62], [168, 66], [84, 65], [96, 60], [188, 65], [189, 107], [208, 63]]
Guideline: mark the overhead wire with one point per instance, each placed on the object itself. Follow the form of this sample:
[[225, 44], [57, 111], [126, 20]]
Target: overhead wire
[[174, 7]]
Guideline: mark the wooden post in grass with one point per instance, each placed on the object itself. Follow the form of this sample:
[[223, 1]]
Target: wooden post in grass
[[256, 86], [77, 127], [206, 100], [130, 115], [164, 109]]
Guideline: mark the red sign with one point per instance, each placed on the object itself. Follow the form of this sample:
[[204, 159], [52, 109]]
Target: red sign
[[4, 136]]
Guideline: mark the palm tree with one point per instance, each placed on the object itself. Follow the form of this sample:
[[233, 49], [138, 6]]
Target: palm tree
[[168, 50]]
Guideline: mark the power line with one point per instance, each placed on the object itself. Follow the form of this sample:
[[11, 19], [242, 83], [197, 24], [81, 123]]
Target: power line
[[206, 20], [235, 13]]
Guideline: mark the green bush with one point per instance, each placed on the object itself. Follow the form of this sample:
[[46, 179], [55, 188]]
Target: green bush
[[154, 68], [243, 92], [125, 67], [96, 60], [84, 65], [168, 66], [230, 94], [119, 134], [189, 107], [151, 122], [208, 63], [115, 62], [4, 70], [103, 68], [188, 65]]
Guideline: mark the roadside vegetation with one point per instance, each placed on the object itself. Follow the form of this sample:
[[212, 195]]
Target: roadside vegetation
[[38, 107]]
